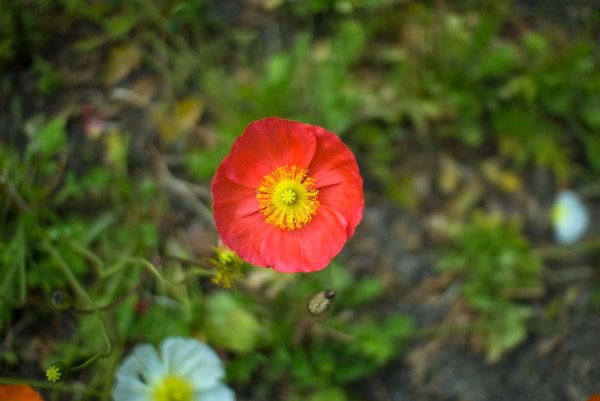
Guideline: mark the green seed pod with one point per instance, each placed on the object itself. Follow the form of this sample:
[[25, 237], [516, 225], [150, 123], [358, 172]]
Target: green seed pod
[[57, 372], [61, 300], [319, 302]]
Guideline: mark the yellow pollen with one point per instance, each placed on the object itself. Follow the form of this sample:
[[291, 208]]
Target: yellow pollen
[[173, 388], [287, 197]]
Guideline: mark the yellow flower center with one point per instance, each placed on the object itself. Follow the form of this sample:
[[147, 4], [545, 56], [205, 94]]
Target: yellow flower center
[[287, 197], [173, 388], [559, 214]]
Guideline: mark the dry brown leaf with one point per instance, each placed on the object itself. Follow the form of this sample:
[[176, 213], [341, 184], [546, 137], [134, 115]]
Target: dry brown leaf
[[188, 111], [183, 117], [449, 177], [505, 180], [122, 60]]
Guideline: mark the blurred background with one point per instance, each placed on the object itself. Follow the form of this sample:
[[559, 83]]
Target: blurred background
[[474, 274]]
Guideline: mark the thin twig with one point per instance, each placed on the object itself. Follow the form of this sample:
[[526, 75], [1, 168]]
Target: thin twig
[[13, 194]]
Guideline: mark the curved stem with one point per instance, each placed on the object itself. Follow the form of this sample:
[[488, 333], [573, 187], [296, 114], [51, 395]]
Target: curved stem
[[141, 261], [82, 293]]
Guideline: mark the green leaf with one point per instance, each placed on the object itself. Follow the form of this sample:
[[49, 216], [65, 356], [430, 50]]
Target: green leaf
[[507, 330], [229, 325], [48, 139], [329, 394], [365, 290]]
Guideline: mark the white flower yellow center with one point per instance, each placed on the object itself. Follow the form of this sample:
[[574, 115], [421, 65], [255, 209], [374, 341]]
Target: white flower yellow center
[[560, 214], [173, 388], [287, 197]]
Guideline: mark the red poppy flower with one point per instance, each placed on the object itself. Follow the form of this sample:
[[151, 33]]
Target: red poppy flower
[[594, 397], [18, 392], [288, 196]]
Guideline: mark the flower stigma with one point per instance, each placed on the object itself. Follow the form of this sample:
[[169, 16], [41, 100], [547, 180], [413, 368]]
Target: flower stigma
[[53, 374], [287, 197], [173, 388], [57, 372]]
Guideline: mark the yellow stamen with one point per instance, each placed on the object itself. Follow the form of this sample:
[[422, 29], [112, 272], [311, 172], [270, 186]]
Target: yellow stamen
[[287, 197], [173, 388]]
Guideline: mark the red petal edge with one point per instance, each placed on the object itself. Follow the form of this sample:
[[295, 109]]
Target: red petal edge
[[265, 145], [337, 178], [308, 249]]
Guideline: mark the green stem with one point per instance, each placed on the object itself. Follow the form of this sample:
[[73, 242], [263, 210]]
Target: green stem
[[83, 294], [18, 267], [133, 261], [90, 256], [195, 273], [50, 386]]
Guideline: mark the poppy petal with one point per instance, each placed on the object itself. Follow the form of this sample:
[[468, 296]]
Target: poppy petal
[[219, 393], [266, 145], [337, 178], [240, 201], [19, 392], [308, 249], [193, 360], [238, 219]]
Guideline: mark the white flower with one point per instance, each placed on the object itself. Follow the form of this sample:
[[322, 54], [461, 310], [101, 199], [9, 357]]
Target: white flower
[[570, 218], [185, 370]]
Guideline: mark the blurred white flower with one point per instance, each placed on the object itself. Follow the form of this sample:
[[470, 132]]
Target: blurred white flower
[[570, 218], [184, 370]]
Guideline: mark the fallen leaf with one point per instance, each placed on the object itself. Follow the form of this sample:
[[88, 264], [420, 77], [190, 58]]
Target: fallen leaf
[[122, 60], [188, 111], [505, 180], [449, 175], [183, 117]]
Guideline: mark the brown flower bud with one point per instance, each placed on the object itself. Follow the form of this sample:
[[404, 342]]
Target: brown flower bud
[[319, 302]]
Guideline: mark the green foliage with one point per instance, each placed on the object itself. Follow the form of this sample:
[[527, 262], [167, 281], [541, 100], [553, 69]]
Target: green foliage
[[22, 28], [497, 264], [469, 82], [385, 77], [320, 355], [48, 77], [229, 324], [44, 228], [267, 332]]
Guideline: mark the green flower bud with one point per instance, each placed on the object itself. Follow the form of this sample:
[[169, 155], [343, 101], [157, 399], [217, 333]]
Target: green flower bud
[[319, 302], [61, 300], [229, 267], [57, 372]]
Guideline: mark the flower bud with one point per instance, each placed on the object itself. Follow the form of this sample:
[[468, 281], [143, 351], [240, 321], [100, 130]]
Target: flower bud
[[57, 372], [61, 300], [229, 267], [319, 302]]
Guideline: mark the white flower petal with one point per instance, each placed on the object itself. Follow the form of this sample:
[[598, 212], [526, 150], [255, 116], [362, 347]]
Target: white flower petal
[[193, 360], [219, 393], [142, 365], [570, 217], [129, 389]]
